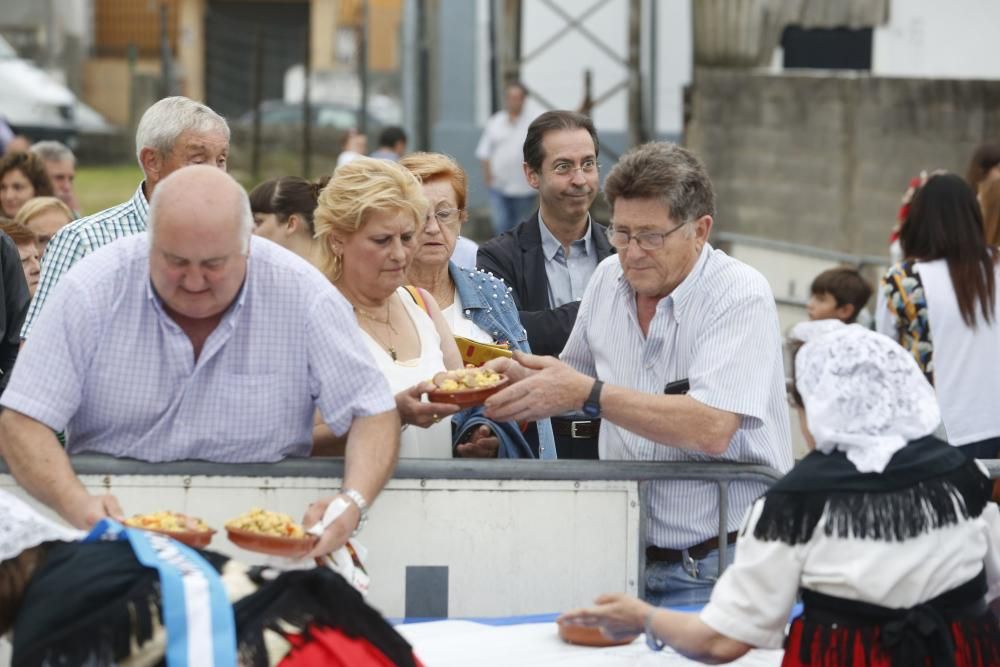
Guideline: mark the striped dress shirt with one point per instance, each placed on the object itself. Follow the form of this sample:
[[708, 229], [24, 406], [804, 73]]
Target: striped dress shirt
[[82, 237], [719, 330], [108, 365]]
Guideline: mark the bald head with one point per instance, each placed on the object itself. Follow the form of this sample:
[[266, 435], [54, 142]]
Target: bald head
[[199, 237], [200, 198]]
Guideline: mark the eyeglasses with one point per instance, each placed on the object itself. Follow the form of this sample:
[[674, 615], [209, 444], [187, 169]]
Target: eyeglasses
[[645, 240], [447, 217], [567, 168]]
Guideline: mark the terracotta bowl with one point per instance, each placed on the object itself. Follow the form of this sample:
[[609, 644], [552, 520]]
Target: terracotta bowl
[[196, 539], [583, 635], [467, 398], [289, 547]]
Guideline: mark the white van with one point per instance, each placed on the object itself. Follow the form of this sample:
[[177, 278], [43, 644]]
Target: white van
[[32, 102]]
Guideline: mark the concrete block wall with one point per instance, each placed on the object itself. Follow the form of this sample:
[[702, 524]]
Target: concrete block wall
[[822, 159]]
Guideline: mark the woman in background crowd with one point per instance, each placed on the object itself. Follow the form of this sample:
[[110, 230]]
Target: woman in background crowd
[[283, 213], [22, 176], [989, 202], [27, 250], [983, 167], [475, 305], [368, 222], [44, 216], [940, 303], [877, 489]]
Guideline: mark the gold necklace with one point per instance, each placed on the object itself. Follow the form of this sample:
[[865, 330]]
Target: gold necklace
[[387, 322]]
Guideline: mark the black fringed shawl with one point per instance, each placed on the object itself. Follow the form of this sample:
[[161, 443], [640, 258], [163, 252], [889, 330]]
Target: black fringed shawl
[[927, 484], [95, 601]]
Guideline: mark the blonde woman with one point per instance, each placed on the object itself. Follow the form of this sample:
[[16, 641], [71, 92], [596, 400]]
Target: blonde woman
[[368, 221], [44, 216]]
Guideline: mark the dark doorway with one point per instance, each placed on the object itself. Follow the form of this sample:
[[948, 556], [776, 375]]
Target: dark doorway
[[234, 32]]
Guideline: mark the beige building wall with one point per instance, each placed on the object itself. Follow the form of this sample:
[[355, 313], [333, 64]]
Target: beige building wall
[[106, 85], [191, 48]]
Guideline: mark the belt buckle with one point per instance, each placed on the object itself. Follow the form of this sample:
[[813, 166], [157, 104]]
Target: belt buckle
[[572, 429]]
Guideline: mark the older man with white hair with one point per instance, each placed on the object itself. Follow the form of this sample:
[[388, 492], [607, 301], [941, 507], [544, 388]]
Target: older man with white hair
[[173, 133], [195, 341]]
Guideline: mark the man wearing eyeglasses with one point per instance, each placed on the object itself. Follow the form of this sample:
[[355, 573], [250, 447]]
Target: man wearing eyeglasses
[[548, 259], [677, 347]]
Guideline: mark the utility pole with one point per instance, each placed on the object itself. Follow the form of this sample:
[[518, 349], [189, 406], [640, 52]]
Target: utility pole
[[636, 127], [363, 68]]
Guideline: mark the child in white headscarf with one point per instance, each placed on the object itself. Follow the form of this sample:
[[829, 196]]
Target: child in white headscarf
[[884, 530]]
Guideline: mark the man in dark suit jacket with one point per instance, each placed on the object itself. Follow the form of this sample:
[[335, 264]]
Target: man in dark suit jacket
[[548, 259]]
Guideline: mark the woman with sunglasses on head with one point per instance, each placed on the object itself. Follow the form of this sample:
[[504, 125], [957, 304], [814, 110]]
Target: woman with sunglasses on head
[[476, 305], [885, 532]]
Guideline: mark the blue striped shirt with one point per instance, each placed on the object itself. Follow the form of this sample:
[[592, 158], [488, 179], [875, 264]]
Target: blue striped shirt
[[719, 330], [108, 365], [80, 238]]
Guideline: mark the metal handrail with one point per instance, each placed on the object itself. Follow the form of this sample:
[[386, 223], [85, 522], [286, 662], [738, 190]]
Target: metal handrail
[[572, 470], [642, 472]]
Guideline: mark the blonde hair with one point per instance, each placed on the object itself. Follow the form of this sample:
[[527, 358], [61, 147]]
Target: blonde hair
[[358, 189], [38, 205], [434, 166]]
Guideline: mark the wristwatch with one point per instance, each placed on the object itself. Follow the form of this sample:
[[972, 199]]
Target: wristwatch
[[359, 501], [652, 641], [592, 406]]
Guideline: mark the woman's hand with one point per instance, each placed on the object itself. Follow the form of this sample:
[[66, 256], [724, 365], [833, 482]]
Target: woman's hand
[[616, 614], [483, 444], [414, 411]]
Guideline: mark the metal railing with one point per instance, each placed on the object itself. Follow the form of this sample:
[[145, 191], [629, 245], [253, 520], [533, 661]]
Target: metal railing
[[641, 472]]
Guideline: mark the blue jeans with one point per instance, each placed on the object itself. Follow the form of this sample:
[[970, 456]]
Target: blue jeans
[[684, 584], [507, 211]]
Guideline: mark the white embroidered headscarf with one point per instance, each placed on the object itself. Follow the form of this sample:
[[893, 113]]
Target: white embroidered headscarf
[[863, 394], [22, 527]]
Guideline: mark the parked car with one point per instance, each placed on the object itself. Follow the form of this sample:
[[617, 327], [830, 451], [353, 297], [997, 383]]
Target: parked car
[[324, 115]]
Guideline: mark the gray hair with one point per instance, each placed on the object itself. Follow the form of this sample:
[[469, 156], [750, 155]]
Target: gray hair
[[53, 151], [164, 122], [664, 171]]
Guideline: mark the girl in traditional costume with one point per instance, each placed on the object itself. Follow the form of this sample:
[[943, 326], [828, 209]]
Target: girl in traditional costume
[[885, 532]]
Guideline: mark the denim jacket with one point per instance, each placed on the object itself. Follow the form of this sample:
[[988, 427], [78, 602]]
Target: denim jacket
[[486, 300]]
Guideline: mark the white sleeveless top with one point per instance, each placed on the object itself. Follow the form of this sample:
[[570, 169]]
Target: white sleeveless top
[[416, 442], [462, 326]]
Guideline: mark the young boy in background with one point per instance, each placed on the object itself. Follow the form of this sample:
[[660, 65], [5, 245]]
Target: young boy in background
[[839, 294]]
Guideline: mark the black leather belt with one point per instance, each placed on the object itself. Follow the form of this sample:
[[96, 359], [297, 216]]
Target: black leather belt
[[578, 429], [697, 552]]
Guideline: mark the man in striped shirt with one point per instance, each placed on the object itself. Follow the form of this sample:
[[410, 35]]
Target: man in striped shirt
[[677, 347], [172, 133]]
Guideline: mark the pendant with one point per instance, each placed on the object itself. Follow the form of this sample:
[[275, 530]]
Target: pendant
[[392, 353]]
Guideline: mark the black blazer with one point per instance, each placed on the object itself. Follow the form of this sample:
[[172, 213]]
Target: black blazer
[[516, 256]]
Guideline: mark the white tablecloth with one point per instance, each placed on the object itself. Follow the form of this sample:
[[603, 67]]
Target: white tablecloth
[[463, 643]]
